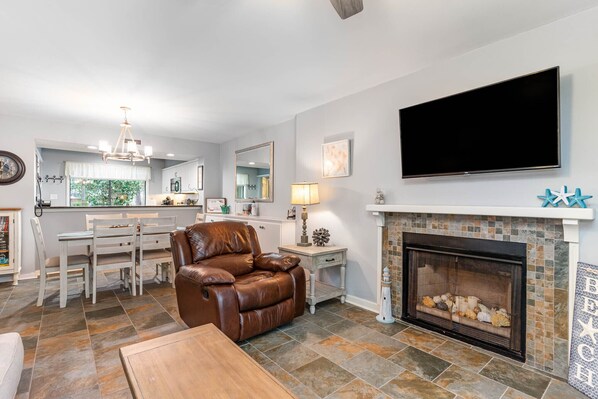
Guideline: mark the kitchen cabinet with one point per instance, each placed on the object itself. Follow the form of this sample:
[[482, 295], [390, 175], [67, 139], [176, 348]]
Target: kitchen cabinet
[[187, 171], [271, 232], [167, 174]]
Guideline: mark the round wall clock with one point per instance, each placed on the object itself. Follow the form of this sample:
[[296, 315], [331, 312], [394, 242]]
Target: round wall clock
[[12, 168]]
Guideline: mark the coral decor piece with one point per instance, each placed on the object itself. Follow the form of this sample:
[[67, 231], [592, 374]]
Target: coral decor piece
[[320, 237], [554, 198]]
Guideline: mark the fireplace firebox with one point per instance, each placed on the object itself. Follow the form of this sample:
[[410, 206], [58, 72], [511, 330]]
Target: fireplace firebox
[[466, 288]]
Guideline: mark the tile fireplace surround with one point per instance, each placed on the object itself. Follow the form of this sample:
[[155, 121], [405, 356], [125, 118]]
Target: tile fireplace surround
[[552, 238]]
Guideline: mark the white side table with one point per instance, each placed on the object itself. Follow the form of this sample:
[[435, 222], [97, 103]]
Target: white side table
[[315, 258]]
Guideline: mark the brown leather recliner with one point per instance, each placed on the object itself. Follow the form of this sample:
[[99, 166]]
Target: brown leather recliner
[[222, 277]]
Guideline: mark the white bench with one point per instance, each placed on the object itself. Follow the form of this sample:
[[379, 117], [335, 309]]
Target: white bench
[[11, 364]]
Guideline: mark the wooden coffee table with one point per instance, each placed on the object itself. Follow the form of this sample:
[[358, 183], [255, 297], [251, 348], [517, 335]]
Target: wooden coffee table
[[200, 362]]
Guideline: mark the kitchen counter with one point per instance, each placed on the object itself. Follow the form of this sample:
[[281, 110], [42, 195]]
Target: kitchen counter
[[102, 208]]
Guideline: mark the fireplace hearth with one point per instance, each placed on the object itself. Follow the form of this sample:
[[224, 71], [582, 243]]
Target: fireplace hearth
[[466, 288]]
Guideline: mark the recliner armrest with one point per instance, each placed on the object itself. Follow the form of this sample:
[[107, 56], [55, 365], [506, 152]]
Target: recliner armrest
[[204, 275], [275, 262]]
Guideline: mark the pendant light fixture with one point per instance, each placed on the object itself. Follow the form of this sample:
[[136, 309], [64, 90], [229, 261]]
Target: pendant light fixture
[[126, 148]]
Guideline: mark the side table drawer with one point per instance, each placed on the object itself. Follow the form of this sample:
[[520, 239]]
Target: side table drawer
[[334, 259]]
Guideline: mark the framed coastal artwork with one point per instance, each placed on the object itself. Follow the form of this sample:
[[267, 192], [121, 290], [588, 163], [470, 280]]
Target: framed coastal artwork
[[336, 158]]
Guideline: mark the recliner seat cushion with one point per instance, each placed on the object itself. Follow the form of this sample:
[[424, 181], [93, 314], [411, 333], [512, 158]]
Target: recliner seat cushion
[[262, 288], [220, 238]]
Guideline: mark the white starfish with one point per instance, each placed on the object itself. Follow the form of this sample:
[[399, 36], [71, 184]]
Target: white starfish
[[563, 195], [588, 329]]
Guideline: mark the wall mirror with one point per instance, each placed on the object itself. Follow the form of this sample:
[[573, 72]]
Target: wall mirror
[[254, 173]]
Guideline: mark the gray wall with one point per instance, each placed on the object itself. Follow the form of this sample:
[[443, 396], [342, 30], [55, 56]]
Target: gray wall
[[53, 164], [371, 118], [283, 136]]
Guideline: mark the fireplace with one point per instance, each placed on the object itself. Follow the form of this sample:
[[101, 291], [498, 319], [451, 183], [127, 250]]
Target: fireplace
[[466, 288]]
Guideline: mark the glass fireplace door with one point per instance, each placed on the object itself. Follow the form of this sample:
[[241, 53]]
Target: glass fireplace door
[[472, 296]]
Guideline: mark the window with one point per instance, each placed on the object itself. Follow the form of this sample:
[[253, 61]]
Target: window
[[106, 192]]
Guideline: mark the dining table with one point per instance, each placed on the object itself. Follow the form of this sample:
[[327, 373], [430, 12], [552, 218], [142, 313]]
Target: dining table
[[75, 239]]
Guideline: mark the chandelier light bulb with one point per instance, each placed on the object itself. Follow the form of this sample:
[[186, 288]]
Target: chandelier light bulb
[[131, 147]]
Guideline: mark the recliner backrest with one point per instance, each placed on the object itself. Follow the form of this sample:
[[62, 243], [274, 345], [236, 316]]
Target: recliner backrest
[[208, 240]]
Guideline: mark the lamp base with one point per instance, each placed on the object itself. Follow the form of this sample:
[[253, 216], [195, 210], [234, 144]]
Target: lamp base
[[304, 238]]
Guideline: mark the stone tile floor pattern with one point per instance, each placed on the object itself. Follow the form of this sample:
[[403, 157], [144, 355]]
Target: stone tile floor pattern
[[340, 352]]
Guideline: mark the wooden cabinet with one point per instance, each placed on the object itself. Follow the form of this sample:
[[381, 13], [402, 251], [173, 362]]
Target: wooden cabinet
[[10, 243], [187, 171], [271, 232]]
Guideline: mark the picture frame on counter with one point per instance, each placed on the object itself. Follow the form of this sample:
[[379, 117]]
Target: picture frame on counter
[[200, 178], [213, 205]]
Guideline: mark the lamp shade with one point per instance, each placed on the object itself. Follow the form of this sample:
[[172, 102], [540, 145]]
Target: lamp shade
[[304, 194]]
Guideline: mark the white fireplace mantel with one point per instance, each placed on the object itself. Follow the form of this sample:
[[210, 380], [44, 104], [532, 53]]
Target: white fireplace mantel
[[570, 218]]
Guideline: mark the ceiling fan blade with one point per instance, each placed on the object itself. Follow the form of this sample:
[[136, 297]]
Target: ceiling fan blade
[[347, 8]]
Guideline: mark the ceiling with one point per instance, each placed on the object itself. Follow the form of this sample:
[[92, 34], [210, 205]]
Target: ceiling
[[213, 70]]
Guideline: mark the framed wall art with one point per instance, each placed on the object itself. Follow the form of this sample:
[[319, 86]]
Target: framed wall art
[[213, 205], [336, 158]]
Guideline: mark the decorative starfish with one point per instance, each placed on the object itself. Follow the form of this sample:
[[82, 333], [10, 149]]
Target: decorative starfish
[[588, 329], [548, 198], [579, 199], [562, 195]]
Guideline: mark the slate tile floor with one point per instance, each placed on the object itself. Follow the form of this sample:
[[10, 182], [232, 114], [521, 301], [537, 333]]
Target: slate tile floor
[[340, 352]]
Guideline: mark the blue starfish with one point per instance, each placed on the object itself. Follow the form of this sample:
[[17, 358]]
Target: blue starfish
[[579, 199], [548, 198]]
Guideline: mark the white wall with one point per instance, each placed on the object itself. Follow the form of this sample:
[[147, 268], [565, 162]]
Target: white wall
[[371, 118], [19, 134], [283, 136]]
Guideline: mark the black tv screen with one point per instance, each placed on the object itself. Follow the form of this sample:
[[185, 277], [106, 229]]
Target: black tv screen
[[511, 125]]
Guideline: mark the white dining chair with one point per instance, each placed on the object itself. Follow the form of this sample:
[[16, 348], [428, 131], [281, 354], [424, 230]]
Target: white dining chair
[[143, 215], [90, 218], [114, 248], [200, 218], [49, 267], [154, 246]]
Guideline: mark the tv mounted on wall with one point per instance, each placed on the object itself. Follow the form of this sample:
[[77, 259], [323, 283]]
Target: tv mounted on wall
[[506, 126]]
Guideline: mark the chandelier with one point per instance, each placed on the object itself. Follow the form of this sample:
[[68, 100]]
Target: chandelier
[[126, 148]]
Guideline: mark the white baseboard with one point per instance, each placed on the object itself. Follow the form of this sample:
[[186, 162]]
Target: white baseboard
[[362, 303], [8, 277]]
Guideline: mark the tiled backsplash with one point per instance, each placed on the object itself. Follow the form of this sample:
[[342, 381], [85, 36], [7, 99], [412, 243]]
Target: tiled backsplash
[[547, 272]]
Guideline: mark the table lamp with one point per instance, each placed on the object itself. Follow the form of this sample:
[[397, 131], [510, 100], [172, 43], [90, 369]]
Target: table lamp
[[304, 194]]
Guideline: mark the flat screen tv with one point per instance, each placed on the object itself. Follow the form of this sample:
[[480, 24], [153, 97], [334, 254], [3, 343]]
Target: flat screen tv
[[511, 125]]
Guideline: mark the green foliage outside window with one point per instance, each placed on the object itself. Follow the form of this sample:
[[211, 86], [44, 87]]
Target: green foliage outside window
[[96, 192]]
